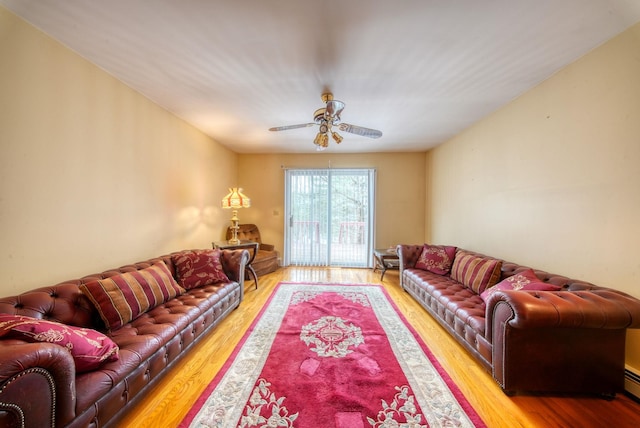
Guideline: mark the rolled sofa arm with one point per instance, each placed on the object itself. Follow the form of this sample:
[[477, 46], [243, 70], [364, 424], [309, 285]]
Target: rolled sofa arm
[[408, 256], [596, 308], [234, 263], [37, 384], [564, 341], [267, 247]]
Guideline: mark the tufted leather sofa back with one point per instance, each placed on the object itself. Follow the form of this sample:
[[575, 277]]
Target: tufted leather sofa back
[[412, 253], [568, 284], [65, 303]]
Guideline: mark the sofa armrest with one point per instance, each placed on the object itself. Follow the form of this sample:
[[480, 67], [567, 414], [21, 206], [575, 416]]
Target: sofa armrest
[[267, 247], [561, 341], [596, 309], [233, 263], [408, 255], [37, 384]]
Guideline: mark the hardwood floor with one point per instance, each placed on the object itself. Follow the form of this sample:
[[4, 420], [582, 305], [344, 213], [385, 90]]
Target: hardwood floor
[[174, 396]]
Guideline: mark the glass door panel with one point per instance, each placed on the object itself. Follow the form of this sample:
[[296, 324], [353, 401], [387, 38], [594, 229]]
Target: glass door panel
[[330, 217]]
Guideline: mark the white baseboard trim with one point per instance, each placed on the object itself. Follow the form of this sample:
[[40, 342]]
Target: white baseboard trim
[[632, 381]]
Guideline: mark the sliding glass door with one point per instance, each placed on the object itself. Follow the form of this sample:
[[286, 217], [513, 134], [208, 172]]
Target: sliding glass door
[[329, 216]]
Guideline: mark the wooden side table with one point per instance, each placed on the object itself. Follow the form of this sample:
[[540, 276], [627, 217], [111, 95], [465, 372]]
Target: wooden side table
[[385, 259], [243, 245]]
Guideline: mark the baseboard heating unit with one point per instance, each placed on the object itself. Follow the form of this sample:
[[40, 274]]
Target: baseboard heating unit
[[632, 381]]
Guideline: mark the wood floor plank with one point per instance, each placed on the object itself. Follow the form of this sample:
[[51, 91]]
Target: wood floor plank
[[172, 398]]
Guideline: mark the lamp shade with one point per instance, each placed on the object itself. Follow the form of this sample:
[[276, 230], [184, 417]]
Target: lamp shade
[[235, 199]]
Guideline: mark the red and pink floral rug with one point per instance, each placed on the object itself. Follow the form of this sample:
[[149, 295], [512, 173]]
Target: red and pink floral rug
[[331, 355]]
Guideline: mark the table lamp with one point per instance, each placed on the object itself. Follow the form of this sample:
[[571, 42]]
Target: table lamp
[[235, 200]]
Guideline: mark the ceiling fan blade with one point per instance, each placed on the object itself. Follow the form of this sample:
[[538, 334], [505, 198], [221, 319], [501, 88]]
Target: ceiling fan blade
[[359, 130], [284, 128]]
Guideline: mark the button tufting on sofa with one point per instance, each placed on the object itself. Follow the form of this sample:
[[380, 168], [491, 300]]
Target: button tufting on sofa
[[526, 338], [148, 345]]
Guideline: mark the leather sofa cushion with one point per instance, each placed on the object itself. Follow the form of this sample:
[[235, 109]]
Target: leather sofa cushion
[[449, 299], [265, 262], [147, 335]]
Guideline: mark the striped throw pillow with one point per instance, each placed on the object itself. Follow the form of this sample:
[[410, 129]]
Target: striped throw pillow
[[122, 298], [475, 272]]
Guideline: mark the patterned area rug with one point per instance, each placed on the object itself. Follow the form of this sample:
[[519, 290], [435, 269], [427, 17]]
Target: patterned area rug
[[331, 355]]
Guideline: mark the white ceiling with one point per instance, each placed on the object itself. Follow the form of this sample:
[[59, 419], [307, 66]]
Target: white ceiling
[[421, 71]]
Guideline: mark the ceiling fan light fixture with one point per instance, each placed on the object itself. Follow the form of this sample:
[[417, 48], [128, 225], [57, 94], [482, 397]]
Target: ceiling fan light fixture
[[316, 140], [336, 137], [321, 141], [324, 141]]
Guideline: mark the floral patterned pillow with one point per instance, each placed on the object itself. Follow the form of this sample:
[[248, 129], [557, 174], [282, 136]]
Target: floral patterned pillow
[[525, 280], [196, 268], [436, 258], [89, 348]]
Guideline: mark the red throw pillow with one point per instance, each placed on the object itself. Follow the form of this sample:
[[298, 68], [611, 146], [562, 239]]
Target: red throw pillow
[[475, 272], [436, 258], [526, 280], [196, 268], [88, 348], [122, 298]]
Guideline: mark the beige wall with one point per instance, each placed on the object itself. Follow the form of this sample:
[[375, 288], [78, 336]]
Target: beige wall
[[92, 174], [400, 212], [553, 179]]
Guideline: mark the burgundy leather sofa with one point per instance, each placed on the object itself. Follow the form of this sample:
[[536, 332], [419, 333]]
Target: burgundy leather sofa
[[567, 341], [39, 386]]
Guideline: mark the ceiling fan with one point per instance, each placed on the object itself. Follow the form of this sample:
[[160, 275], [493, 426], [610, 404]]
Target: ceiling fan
[[328, 117]]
